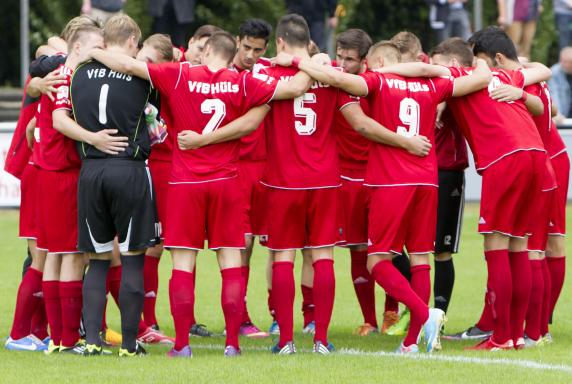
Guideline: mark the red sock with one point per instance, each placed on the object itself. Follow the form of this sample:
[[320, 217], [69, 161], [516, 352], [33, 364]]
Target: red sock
[[421, 281], [486, 322], [534, 312], [71, 304], [113, 282], [521, 286], [557, 268], [245, 272], [39, 326], [151, 284], [51, 291], [545, 317], [283, 292], [307, 304], [193, 320], [271, 305], [391, 305], [27, 301], [390, 279], [499, 289], [364, 286], [324, 293], [182, 300], [232, 301]]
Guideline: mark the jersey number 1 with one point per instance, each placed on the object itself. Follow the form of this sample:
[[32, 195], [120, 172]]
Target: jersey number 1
[[409, 115], [103, 104]]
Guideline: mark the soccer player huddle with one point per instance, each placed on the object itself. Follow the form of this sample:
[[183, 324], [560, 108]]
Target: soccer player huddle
[[136, 148]]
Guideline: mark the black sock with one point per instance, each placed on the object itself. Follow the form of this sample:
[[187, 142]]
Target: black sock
[[443, 284], [131, 296], [94, 299], [401, 262]]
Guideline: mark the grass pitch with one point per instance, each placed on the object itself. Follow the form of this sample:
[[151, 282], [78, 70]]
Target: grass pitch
[[359, 360]]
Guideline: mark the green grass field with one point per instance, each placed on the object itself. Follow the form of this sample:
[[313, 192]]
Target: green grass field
[[359, 360]]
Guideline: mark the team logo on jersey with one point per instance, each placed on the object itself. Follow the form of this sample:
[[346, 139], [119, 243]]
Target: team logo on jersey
[[455, 193], [482, 220], [63, 92]]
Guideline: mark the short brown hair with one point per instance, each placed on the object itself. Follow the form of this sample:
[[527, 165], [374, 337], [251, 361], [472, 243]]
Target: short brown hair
[[293, 29], [387, 49], [119, 29], [407, 43], [162, 43], [457, 48], [313, 48], [222, 44], [206, 30], [356, 39]]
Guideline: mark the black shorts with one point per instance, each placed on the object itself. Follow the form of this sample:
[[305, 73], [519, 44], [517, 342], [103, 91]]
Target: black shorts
[[115, 198], [450, 211]]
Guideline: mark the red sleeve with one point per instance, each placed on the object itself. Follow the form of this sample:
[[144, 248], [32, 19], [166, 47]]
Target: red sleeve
[[534, 89], [456, 72], [344, 99], [259, 89], [517, 78], [63, 96], [372, 80], [443, 87], [164, 77]]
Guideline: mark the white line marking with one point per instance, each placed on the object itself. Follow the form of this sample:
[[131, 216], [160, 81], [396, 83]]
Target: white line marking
[[520, 363]]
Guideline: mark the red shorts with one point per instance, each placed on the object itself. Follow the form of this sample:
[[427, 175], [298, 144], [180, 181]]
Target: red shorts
[[160, 174], [250, 173], [28, 203], [300, 218], [355, 198], [402, 216], [57, 207], [212, 209], [511, 187], [561, 166]]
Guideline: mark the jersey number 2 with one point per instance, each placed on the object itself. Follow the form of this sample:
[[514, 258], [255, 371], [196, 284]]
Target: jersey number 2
[[409, 115], [217, 108], [309, 125]]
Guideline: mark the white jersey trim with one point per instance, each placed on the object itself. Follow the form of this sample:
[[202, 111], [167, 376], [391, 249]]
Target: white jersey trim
[[299, 189], [558, 153], [201, 182], [508, 154], [402, 185], [351, 179]]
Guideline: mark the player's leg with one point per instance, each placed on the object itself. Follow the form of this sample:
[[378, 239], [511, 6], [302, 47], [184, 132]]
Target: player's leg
[[521, 287], [283, 292], [94, 295], [274, 328], [71, 283], [386, 229], [556, 262], [232, 299], [364, 287], [324, 293], [307, 289], [51, 290]]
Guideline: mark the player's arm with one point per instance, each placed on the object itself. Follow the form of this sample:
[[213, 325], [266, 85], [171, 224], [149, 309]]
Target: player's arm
[[477, 80], [236, 129], [415, 70], [508, 93], [535, 73], [120, 62], [30, 128], [293, 88], [102, 140], [371, 129], [38, 85], [45, 64], [352, 84]]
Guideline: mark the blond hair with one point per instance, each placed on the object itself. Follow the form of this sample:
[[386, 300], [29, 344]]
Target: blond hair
[[408, 44], [162, 43], [76, 27], [388, 50], [119, 29]]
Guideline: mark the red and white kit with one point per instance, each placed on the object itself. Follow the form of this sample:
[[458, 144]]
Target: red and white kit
[[302, 173], [204, 192], [512, 164], [58, 163]]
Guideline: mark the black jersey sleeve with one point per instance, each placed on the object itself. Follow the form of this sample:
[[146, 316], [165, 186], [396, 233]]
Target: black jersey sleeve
[[46, 64]]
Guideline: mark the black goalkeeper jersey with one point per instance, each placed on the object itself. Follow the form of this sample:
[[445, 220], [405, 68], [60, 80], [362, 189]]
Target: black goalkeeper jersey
[[104, 99]]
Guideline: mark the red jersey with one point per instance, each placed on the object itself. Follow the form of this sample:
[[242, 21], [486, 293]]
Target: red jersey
[[54, 151], [493, 129], [543, 121], [164, 151], [301, 145], [202, 101], [556, 145], [253, 146], [353, 148], [19, 154], [407, 106], [450, 144]]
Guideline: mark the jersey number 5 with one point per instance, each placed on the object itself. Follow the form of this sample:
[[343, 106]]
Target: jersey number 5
[[217, 108], [309, 125], [409, 115]]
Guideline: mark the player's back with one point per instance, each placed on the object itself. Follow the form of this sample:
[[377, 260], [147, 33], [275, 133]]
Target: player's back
[[494, 129], [407, 106], [301, 147], [106, 99], [543, 121]]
